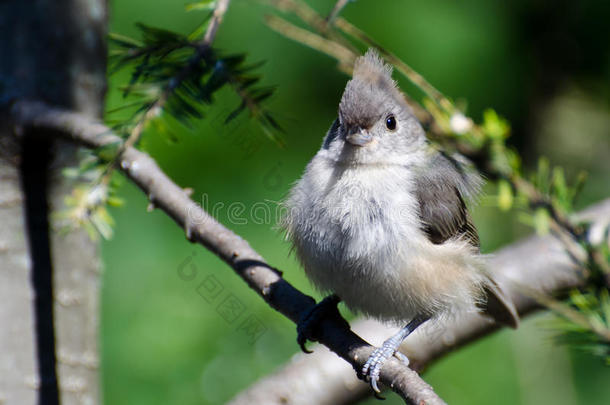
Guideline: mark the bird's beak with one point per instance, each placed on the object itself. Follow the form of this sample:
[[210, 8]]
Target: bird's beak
[[359, 138]]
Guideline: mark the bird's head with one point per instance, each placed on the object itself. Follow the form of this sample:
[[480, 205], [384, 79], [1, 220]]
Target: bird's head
[[375, 124]]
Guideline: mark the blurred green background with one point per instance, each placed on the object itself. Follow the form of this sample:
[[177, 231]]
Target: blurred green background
[[543, 65]]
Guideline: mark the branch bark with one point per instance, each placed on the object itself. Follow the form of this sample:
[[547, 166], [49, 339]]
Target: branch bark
[[18, 361], [540, 263], [201, 228]]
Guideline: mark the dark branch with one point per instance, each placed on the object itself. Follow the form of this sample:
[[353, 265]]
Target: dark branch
[[201, 228]]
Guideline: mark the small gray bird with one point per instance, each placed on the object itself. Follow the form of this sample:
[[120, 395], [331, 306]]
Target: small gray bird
[[379, 220]]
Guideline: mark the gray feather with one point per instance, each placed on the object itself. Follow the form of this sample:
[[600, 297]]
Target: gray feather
[[443, 212], [332, 133], [499, 306], [444, 216]]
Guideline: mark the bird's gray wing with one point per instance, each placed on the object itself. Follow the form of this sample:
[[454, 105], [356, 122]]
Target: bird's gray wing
[[444, 215], [442, 211]]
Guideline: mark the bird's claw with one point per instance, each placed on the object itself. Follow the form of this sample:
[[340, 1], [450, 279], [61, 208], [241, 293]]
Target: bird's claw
[[403, 358], [311, 319], [372, 367], [303, 331]]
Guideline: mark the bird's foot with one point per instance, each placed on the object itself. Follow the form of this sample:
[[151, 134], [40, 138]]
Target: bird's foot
[[309, 322], [372, 367]]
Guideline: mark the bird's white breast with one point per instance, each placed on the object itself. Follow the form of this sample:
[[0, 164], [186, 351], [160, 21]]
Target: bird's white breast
[[357, 232]]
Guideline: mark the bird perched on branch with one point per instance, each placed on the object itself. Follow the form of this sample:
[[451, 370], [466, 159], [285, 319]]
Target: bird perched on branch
[[378, 219]]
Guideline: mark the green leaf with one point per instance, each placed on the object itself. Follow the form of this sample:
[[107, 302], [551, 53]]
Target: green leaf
[[542, 175], [169, 64], [201, 5], [560, 190], [124, 41], [156, 36], [235, 112], [108, 151], [514, 160], [263, 94], [578, 185], [541, 221], [91, 231], [505, 195], [114, 201], [199, 31], [103, 223], [494, 126], [163, 128]]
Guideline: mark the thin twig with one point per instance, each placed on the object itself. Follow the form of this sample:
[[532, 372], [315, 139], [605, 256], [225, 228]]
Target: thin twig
[[217, 16], [339, 5], [344, 56], [200, 227]]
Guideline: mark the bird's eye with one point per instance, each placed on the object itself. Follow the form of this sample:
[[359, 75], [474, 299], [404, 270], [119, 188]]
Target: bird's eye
[[390, 122]]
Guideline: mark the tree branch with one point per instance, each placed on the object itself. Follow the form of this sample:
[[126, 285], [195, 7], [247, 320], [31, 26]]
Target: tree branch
[[538, 262], [201, 228]]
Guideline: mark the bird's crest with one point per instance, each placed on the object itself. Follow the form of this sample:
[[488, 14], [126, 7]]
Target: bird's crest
[[367, 94], [371, 68]]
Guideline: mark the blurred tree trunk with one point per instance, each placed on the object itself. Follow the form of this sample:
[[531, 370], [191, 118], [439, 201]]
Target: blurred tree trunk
[[53, 50]]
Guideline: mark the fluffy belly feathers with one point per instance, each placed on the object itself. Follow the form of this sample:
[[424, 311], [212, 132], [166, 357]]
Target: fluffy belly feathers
[[364, 243]]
